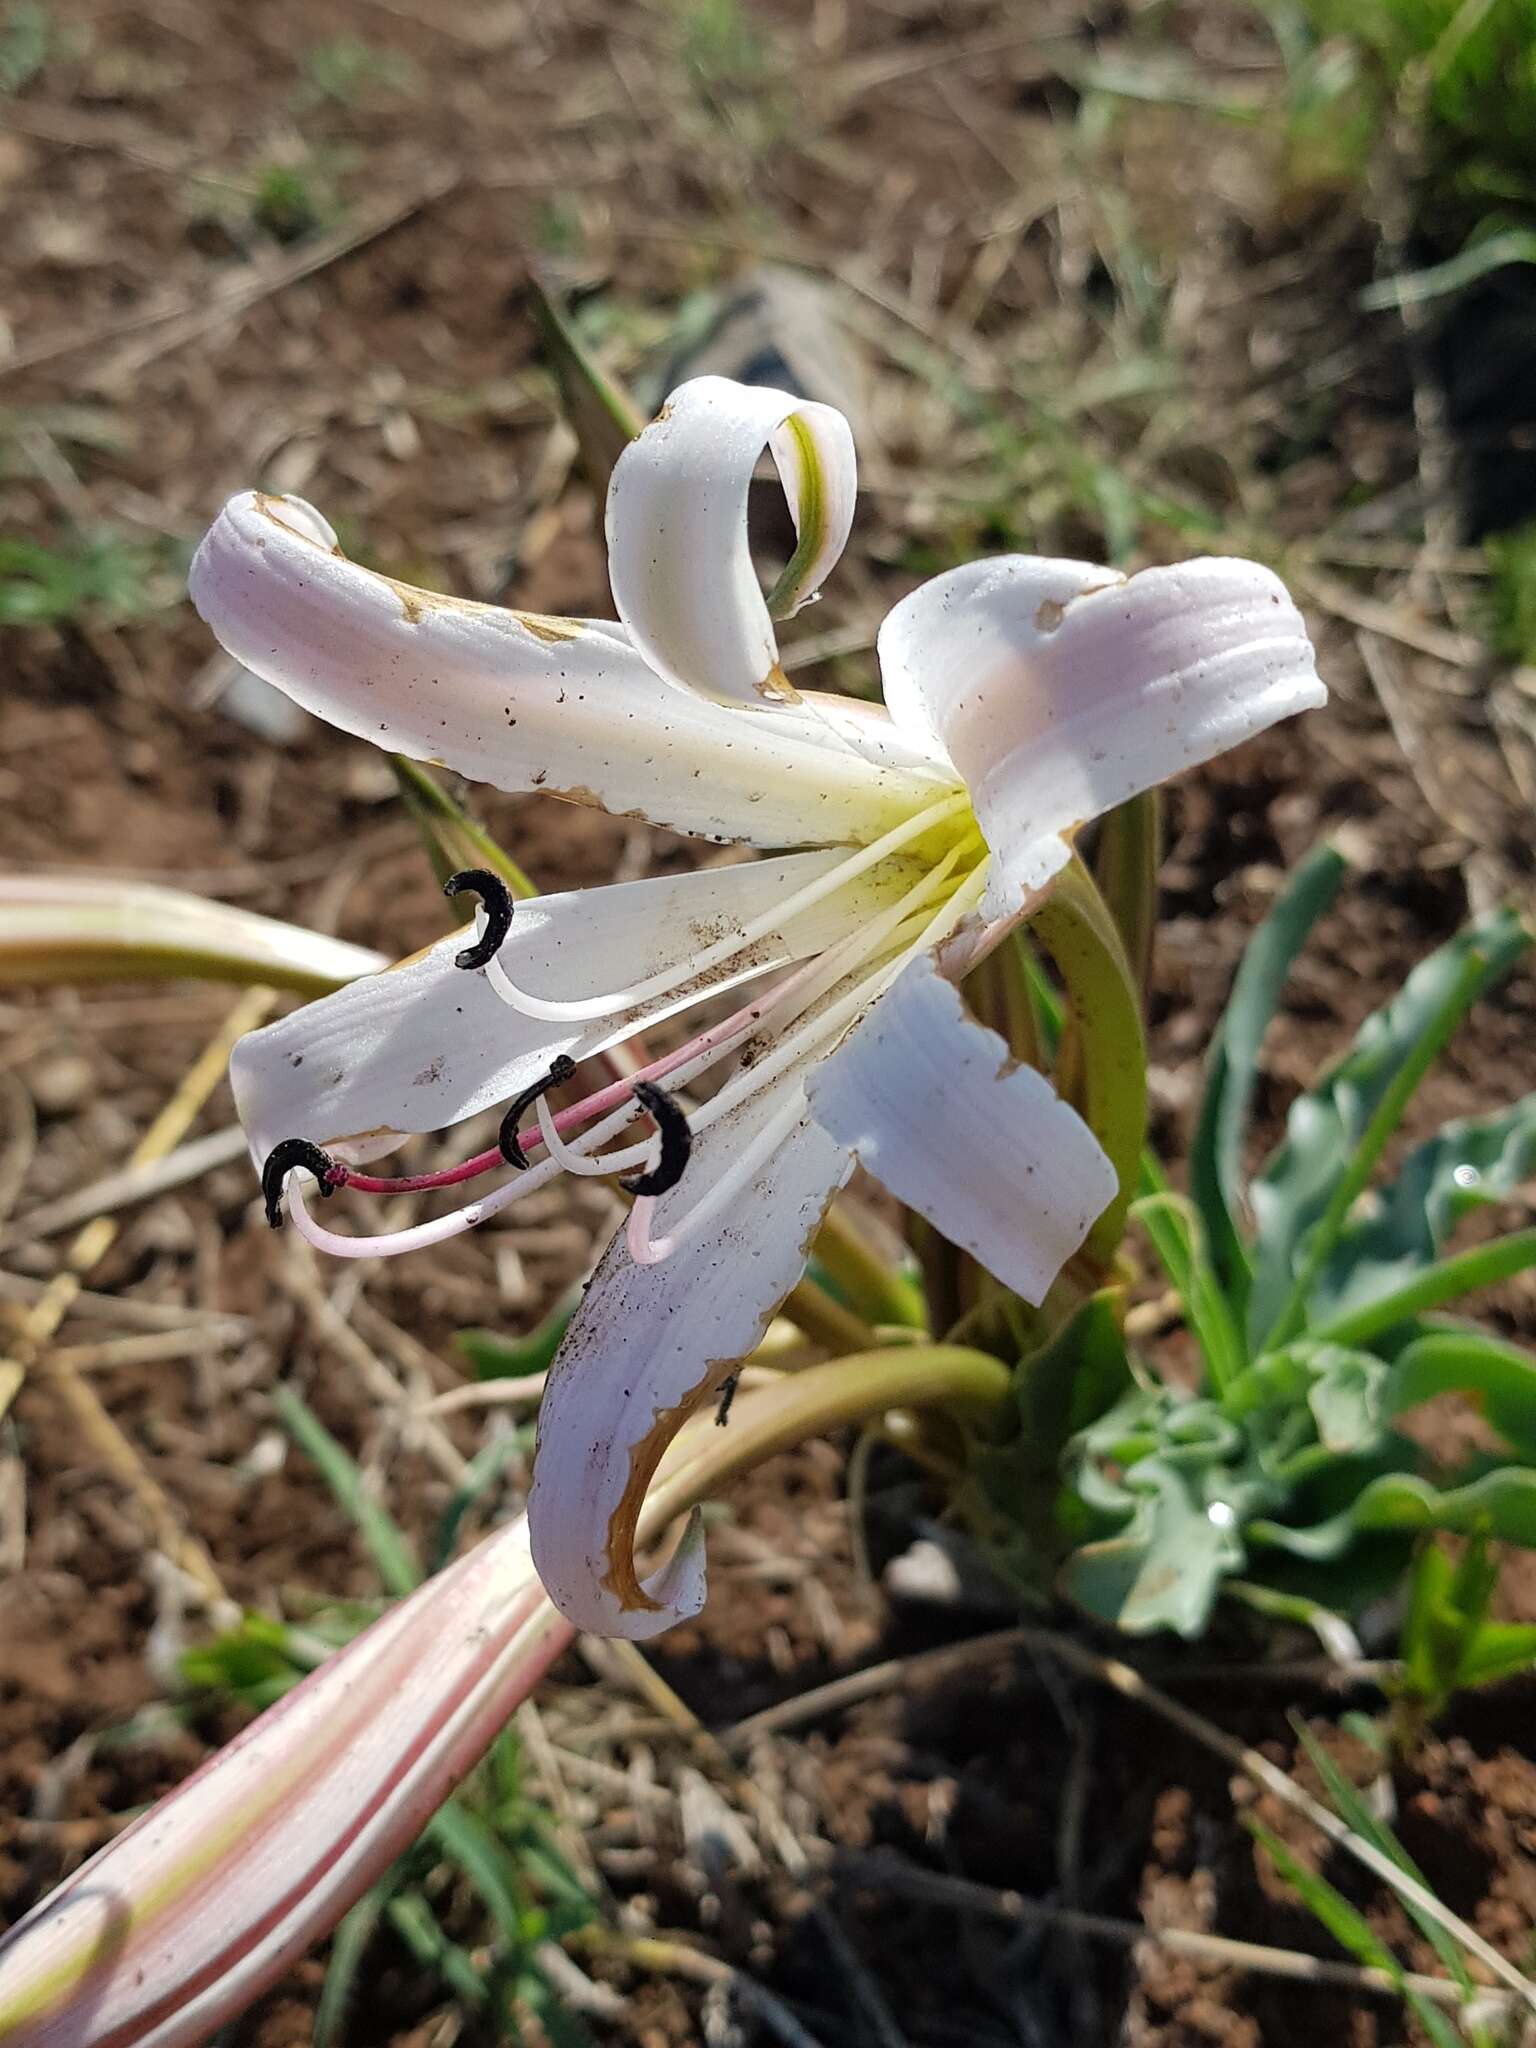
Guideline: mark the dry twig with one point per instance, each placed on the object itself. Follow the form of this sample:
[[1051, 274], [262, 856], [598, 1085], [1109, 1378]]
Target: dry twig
[[884, 1871]]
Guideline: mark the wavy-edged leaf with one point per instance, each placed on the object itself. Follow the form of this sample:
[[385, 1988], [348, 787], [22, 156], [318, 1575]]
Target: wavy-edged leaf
[[1164, 1569], [1336, 1128], [1500, 1380], [1501, 1503], [1216, 1154], [1346, 1400]]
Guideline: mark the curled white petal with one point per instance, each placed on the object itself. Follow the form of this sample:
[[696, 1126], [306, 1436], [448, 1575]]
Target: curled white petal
[[524, 702], [650, 1346], [930, 1103], [678, 553], [1058, 688]]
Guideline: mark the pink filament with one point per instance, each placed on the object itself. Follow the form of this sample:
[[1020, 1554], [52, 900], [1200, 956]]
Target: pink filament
[[741, 1023]]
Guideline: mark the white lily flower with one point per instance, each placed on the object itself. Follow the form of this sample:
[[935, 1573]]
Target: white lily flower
[[1025, 696]]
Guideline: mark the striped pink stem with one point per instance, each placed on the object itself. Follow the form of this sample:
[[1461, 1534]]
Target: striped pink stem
[[208, 1898]]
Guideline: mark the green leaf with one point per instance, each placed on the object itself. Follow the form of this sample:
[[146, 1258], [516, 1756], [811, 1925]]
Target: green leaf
[[1106, 1046], [1484, 1265], [389, 1548], [453, 839], [252, 1661], [1161, 1473], [1165, 1568], [1424, 1675], [1346, 1399], [495, 1357], [603, 417], [1357, 1815], [1351, 1931], [1500, 1379], [1466, 1165], [464, 1839], [349, 1945], [1059, 1390], [1074, 1379], [416, 1924], [1501, 1503], [1335, 1132], [485, 1467], [1499, 1649], [1172, 1222], [1483, 254], [1216, 1156]]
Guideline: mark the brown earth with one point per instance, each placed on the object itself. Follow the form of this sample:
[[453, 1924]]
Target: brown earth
[[934, 159]]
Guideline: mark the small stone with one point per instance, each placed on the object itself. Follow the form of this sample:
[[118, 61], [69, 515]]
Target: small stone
[[61, 1083]]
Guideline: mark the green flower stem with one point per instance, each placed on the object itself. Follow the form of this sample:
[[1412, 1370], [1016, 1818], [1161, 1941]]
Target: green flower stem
[[851, 1390], [1388, 1115], [1102, 1061], [1125, 868], [1485, 1265], [875, 1289], [815, 1314]]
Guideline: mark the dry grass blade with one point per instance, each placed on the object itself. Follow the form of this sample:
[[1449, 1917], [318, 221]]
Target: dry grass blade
[[139, 1182], [100, 1432], [298, 1279]]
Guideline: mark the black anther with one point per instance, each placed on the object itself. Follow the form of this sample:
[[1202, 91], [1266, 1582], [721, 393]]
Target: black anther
[[728, 1388], [281, 1161], [497, 899], [676, 1142], [561, 1069]]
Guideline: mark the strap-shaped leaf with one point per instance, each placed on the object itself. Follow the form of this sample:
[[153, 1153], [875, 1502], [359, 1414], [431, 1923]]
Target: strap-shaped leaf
[[1356, 1812], [1172, 1222], [1335, 1132], [1466, 1165], [1215, 1162], [1351, 1930], [67, 928], [453, 839], [602, 416]]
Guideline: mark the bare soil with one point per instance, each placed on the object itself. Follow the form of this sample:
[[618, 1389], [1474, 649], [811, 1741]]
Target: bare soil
[[927, 157]]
